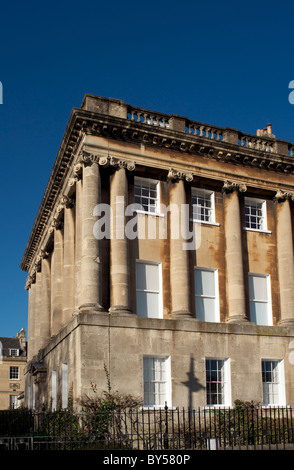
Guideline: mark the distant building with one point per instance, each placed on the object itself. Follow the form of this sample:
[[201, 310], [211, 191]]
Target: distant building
[[190, 300], [13, 360]]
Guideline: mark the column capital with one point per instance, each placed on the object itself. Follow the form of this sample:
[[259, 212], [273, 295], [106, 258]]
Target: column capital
[[104, 161], [230, 186], [174, 175], [282, 196], [56, 224]]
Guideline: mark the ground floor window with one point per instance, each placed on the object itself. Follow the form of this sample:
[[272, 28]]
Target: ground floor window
[[54, 390], [273, 383], [217, 382], [156, 373], [13, 402]]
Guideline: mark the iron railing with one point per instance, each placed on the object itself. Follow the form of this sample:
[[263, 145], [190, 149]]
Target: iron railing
[[246, 427]]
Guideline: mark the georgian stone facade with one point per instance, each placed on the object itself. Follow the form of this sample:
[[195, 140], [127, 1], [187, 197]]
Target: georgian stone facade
[[193, 307], [13, 360]]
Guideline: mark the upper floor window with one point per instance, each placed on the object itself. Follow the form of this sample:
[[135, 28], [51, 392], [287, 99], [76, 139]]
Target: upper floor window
[[147, 195], [206, 294], [148, 289], [255, 214], [203, 205], [259, 299], [273, 383], [14, 352], [14, 373]]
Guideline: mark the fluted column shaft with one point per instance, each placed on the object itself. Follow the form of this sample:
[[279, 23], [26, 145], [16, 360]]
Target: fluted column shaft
[[45, 315], [78, 242], [42, 306], [69, 263], [57, 282], [38, 314], [285, 261], [31, 320], [234, 258], [119, 251], [179, 261], [90, 250]]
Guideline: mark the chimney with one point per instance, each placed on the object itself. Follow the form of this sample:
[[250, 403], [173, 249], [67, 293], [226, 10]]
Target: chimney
[[267, 131]]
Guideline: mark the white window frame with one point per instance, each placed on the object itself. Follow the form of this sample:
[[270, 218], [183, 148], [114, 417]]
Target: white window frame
[[268, 301], [64, 385], [12, 370], [13, 402], [204, 296], [13, 352], [279, 385], [54, 389], [146, 183], [251, 201], [146, 291], [204, 192], [167, 400], [225, 384]]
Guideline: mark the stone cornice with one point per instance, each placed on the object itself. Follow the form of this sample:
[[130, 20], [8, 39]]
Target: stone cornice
[[168, 132]]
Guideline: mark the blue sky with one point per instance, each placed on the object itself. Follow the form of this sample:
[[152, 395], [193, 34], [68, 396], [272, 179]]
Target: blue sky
[[216, 62]]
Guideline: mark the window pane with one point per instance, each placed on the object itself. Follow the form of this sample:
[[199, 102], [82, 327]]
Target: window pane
[[147, 276], [147, 305], [258, 288], [205, 309], [259, 313], [204, 282]]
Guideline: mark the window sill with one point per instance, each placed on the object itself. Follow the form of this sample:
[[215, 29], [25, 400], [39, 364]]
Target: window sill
[[157, 407], [154, 214], [256, 230], [196, 221], [275, 406], [222, 407]]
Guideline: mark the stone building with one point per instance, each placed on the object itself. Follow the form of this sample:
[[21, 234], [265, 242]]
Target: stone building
[[13, 360], [162, 251]]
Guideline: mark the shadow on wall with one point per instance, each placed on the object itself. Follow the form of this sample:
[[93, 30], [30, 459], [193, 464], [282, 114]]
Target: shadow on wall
[[192, 383]]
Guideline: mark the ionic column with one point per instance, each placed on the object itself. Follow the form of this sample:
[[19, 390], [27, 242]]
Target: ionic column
[[42, 304], [179, 260], [45, 315], [78, 242], [57, 280], [285, 257], [69, 261], [234, 255], [119, 245], [31, 287], [90, 251], [38, 307]]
